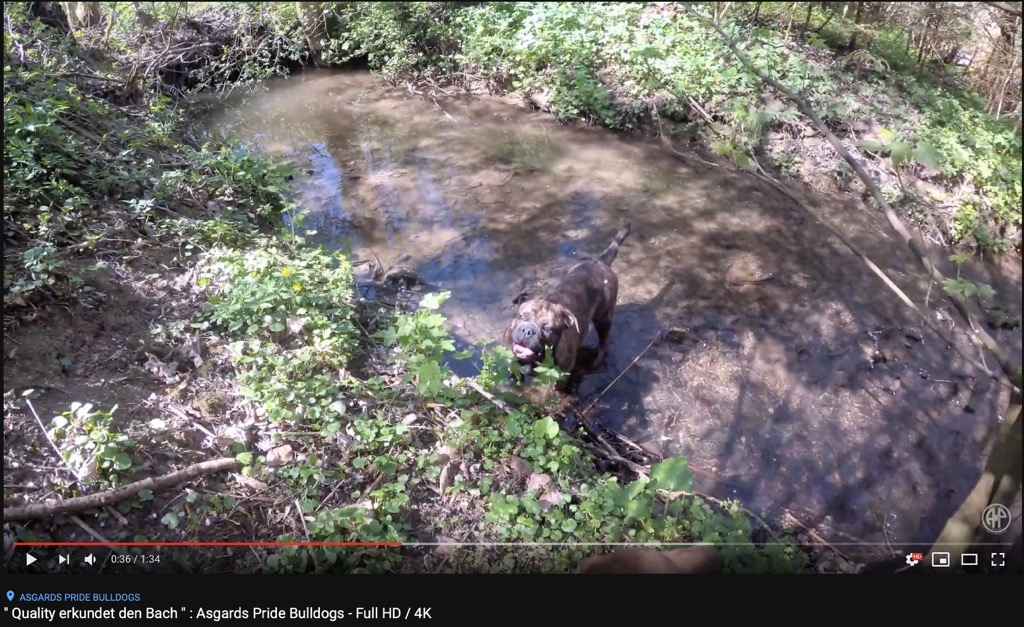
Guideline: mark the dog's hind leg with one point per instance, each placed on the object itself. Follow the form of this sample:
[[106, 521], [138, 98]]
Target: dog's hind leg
[[603, 326]]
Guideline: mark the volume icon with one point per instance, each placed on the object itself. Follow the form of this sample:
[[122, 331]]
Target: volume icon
[[89, 559]]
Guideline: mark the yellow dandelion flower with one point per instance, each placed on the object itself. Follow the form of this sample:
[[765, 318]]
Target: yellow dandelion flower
[[287, 272], [296, 286]]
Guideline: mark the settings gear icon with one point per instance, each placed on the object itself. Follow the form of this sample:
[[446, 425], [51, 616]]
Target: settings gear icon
[[912, 559]]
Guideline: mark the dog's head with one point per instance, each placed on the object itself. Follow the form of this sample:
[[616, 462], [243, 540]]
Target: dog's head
[[537, 326]]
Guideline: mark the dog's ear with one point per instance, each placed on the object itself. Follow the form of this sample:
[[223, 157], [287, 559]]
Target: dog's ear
[[521, 298], [569, 319]]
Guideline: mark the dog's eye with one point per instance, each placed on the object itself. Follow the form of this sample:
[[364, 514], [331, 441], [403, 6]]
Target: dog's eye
[[547, 328]]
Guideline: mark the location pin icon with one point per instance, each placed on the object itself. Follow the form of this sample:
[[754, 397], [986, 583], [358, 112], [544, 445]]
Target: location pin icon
[[10, 595]]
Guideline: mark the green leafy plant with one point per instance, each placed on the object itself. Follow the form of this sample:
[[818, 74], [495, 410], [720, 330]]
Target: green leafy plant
[[902, 152], [422, 339], [289, 316], [90, 444], [965, 288]]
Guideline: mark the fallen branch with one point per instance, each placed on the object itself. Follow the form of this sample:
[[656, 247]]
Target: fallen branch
[[814, 535], [974, 331], [609, 450], [110, 497]]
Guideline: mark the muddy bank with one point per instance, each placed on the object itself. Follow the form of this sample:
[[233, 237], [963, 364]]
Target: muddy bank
[[794, 381]]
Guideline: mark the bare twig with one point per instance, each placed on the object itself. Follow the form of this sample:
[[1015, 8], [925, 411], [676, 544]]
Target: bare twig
[[46, 433], [305, 530], [500, 404], [621, 374], [814, 535], [95, 535]]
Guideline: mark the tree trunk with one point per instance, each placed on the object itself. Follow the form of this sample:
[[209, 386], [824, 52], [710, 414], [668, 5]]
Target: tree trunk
[[789, 24], [931, 22], [84, 14], [51, 14], [1006, 84], [856, 22], [144, 19], [314, 26]]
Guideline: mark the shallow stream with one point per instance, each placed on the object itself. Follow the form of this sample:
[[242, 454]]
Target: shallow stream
[[793, 380]]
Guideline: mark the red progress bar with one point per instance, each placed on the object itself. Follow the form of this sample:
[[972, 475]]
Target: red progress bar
[[207, 544]]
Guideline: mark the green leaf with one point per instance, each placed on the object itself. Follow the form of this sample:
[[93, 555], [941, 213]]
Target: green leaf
[[546, 428], [960, 258], [887, 136], [171, 520], [966, 289], [673, 474], [985, 291], [122, 461], [389, 336], [900, 153], [635, 489], [434, 300], [638, 508], [245, 458], [928, 155], [428, 378], [872, 145], [651, 53]]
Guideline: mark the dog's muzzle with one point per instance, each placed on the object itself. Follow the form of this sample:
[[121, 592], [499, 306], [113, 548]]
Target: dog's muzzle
[[526, 342]]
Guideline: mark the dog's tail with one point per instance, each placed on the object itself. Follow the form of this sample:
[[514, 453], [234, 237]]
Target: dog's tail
[[610, 253]]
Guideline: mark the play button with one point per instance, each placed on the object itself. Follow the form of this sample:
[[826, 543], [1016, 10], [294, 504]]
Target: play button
[[29, 559]]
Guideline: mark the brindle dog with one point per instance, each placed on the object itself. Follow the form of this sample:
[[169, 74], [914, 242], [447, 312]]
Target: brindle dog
[[559, 320]]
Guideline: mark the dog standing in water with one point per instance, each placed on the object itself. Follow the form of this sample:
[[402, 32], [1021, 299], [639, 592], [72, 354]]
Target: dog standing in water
[[559, 320]]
